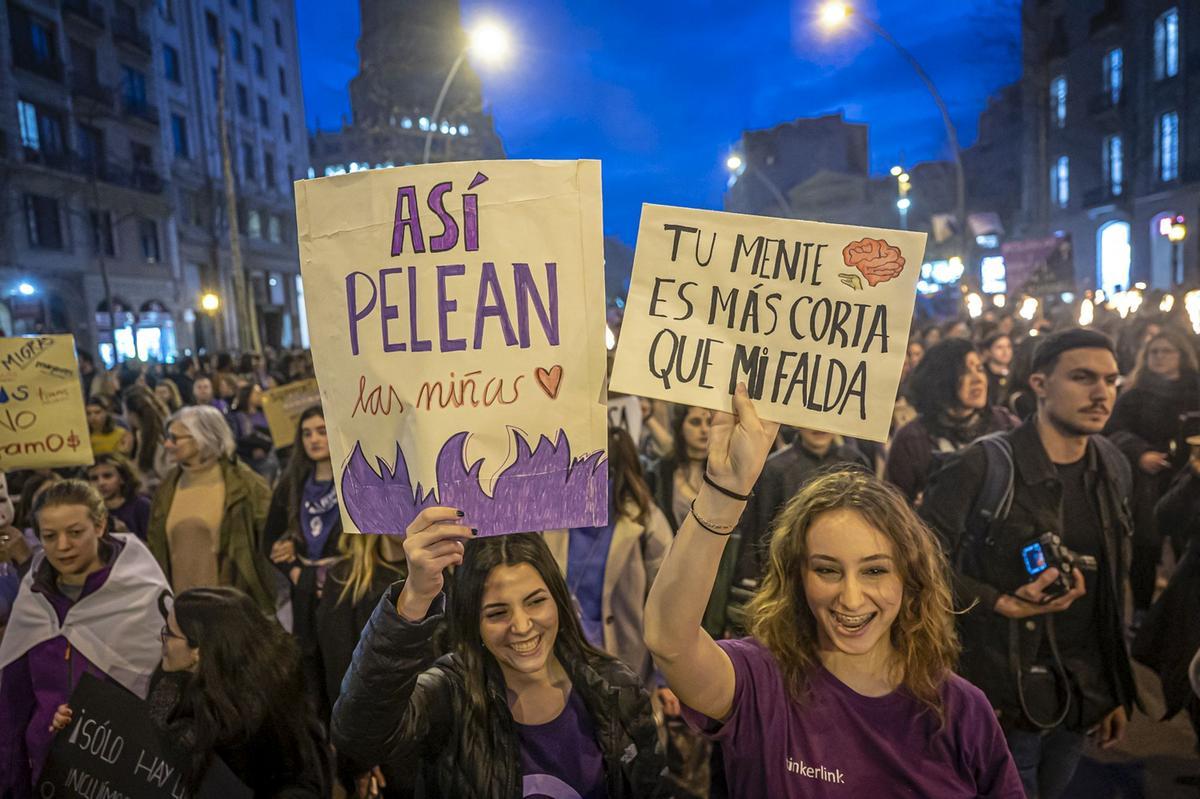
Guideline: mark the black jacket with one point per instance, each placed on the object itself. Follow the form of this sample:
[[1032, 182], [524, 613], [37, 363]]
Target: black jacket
[[401, 705], [1036, 509]]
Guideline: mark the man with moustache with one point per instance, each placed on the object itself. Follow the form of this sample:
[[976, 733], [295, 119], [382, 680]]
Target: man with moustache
[[1049, 653]]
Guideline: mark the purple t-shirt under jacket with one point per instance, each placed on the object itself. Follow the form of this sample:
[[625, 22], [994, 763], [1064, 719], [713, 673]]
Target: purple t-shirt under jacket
[[842, 744]]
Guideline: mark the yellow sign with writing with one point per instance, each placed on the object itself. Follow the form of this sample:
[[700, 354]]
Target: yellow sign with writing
[[42, 421], [282, 406]]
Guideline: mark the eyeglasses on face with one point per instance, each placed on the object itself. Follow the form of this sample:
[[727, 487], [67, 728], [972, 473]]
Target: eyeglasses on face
[[175, 438]]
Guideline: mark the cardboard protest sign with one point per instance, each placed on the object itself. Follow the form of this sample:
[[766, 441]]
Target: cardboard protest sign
[[42, 420], [112, 748], [814, 318], [626, 411], [458, 333], [283, 405]]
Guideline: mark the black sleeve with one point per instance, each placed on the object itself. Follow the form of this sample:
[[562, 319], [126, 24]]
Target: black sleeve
[[393, 705], [1123, 425], [277, 519], [946, 508], [1179, 508]]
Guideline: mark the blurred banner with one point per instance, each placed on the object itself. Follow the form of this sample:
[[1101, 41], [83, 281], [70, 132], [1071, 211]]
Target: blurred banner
[[42, 420], [457, 321], [283, 405], [1036, 265], [814, 318]]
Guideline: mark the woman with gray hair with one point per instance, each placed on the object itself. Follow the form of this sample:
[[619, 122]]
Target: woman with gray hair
[[206, 521]]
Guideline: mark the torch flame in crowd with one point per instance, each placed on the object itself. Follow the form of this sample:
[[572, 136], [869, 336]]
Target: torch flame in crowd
[[1191, 302], [1028, 309], [974, 305], [1087, 312]]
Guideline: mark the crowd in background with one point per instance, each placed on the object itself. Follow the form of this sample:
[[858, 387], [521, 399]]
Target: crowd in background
[[270, 598]]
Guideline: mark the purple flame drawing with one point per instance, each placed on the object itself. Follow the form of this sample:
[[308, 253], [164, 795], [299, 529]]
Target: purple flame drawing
[[543, 489]]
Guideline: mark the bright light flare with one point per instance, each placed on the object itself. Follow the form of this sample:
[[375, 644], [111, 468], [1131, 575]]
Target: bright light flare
[[26, 289], [490, 42], [999, 300], [610, 340], [834, 14], [1177, 233], [210, 302], [904, 203], [1028, 309], [1191, 303], [1087, 312], [1166, 303], [974, 305], [733, 163], [897, 171]]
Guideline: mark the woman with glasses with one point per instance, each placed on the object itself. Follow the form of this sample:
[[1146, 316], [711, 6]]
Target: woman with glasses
[[207, 517], [1145, 424], [88, 604]]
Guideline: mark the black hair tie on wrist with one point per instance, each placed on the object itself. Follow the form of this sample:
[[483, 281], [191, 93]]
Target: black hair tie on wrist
[[726, 491]]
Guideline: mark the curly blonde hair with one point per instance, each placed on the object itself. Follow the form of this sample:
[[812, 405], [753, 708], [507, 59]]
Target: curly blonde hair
[[923, 633]]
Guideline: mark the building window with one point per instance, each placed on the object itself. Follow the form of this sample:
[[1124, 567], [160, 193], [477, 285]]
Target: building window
[[1166, 45], [213, 26], [148, 236], [179, 136], [41, 130], [133, 86], [1058, 101], [254, 11], [91, 147], [235, 42], [249, 172], [274, 232], [43, 223], [1114, 165], [1166, 146], [287, 128], [27, 115], [243, 100], [264, 117], [101, 226], [1060, 182], [269, 168], [278, 34], [282, 82], [254, 224], [171, 63], [1114, 74], [260, 65]]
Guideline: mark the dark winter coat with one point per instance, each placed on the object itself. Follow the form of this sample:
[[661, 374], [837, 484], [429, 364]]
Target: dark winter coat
[[402, 705], [1146, 418], [1036, 508], [914, 448]]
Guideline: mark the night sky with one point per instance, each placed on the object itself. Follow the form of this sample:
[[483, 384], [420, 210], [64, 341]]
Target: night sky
[[659, 90]]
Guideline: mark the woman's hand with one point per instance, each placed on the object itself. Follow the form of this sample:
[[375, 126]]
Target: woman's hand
[[432, 543], [670, 702], [739, 444], [13, 546], [283, 551], [368, 785], [62, 717]]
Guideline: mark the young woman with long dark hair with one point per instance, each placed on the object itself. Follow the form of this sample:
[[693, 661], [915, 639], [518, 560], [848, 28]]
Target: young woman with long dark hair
[[110, 586], [227, 686], [522, 706], [302, 534], [845, 683]]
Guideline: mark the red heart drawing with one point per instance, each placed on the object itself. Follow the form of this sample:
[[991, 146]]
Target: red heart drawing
[[549, 380]]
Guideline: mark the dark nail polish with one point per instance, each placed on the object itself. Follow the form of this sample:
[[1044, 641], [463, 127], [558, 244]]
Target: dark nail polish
[[474, 531], [459, 513]]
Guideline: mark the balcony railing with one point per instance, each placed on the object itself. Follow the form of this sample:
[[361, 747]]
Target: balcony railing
[[129, 33], [84, 84], [30, 61], [140, 110], [89, 12], [139, 178]]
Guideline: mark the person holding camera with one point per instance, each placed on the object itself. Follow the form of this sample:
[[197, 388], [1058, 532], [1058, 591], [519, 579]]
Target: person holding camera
[[1036, 526]]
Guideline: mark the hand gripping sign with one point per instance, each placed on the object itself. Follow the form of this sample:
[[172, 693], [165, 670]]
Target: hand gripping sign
[[813, 317], [457, 318]]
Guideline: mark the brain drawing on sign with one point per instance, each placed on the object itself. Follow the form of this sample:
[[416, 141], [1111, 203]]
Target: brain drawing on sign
[[457, 328]]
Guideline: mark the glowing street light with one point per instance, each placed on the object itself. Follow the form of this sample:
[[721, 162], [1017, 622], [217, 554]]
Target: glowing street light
[[26, 289], [736, 164], [834, 14], [904, 203], [733, 163], [210, 303], [488, 42], [897, 171]]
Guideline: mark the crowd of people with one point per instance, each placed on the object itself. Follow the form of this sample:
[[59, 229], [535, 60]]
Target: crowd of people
[[768, 612]]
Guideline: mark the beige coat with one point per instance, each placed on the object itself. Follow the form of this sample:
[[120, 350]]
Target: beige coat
[[634, 556]]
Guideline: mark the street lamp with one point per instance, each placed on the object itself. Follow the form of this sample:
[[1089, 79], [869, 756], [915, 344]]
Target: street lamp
[[834, 15], [26, 289], [1176, 234], [903, 185], [489, 42], [210, 303], [738, 165]]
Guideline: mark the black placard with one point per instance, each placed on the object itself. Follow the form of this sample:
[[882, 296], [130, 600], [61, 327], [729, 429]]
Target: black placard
[[112, 749]]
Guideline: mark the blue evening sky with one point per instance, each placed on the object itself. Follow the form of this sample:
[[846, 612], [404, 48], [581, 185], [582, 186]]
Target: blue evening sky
[[659, 90]]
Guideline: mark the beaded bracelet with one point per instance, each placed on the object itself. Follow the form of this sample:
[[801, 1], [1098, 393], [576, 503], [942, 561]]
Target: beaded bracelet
[[715, 529], [726, 491]]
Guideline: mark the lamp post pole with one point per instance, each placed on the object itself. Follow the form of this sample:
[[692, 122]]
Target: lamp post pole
[[736, 162], [441, 98]]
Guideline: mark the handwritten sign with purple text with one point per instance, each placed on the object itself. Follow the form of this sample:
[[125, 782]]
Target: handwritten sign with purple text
[[457, 318]]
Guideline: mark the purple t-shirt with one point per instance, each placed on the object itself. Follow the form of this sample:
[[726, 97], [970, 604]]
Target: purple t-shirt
[[842, 744], [561, 759]]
